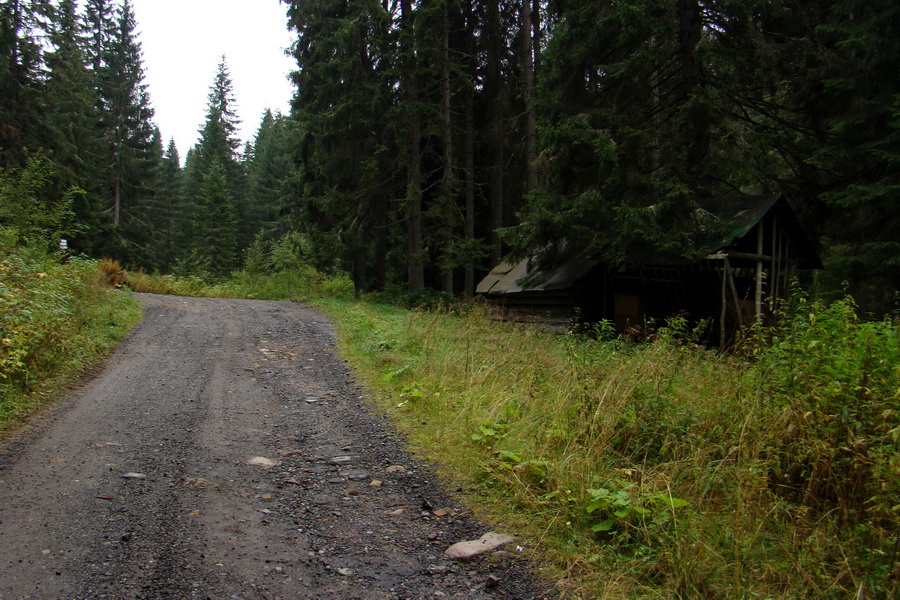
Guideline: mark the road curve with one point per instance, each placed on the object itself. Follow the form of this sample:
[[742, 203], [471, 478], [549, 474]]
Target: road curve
[[224, 452]]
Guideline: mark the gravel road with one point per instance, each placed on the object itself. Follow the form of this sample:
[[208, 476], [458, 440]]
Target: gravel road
[[224, 452]]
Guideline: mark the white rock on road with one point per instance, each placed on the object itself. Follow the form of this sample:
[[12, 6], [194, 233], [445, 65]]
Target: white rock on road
[[463, 551]]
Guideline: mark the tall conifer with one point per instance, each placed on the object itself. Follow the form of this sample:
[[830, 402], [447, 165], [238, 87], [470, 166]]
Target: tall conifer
[[342, 148], [21, 25], [214, 176], [268, 171], [165, 210], [216, 243], [126, 123], [72, 141]]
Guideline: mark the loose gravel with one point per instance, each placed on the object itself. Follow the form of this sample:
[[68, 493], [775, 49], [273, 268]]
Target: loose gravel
[[225, 452]]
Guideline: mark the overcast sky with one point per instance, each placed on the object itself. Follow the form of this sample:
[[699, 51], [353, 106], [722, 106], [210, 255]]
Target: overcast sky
[[183, 41]]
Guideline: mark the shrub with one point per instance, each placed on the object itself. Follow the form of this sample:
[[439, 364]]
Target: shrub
[[26, 214], [834, 381], [113, 273], [39, 304], [338, 286]]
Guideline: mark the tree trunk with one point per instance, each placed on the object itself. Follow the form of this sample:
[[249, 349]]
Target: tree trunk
[[447, 176], [117, 201], [469, 145], [381, 248], [469, 284], [689, 34], [359, 270], [528, 91], [415, 267], [494, 84]]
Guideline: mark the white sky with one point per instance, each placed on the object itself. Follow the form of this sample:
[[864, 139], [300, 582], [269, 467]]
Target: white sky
[[183, 42]]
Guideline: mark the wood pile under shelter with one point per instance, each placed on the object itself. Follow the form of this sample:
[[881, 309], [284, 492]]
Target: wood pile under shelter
[[763, 250]]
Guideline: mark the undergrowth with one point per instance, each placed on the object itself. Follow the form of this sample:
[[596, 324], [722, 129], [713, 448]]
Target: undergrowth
[[661, 470], [55, 320], [294, 283]]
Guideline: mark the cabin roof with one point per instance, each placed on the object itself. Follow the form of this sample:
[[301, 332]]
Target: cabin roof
[[739, 213]]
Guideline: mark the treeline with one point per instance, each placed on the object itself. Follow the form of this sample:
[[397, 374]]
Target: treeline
[[74, 104], [430, 138], [433, 137], [72, 96]]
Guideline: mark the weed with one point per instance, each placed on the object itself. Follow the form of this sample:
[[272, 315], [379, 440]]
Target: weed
[[620, 509]]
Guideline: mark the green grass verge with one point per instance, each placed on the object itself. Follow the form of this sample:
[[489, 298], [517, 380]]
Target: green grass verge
[[659, 470], [301, 283], [56, 322]]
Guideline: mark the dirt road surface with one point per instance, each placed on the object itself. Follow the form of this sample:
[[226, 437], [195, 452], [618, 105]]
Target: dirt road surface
[[224, 452]]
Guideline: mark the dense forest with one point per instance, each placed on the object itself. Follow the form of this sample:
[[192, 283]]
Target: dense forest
[[428, 139]]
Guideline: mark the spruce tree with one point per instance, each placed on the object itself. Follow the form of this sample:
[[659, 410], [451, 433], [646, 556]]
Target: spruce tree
[[22, 23], [165, 211], [269, 169], [345, 159], [99, 25], [598, 124], [72, 143], [625, 126], [216, 151], [218, 136], [216, 249], [126, 122], [850, 151]]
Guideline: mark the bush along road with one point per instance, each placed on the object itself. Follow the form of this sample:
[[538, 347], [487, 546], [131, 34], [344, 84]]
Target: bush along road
[[224, 452]]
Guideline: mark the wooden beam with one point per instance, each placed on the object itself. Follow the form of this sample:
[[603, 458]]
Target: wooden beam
[[759, 270], [750, 256]]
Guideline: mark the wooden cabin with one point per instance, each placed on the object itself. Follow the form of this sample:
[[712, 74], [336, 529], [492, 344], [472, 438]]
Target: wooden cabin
[[764, 249]]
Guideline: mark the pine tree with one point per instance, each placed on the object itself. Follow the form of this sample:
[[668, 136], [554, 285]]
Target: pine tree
[[22, 22], [217, 151], [126, 121], [345, 161]]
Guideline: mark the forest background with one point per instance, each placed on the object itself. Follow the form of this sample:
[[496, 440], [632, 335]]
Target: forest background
[[429, 139]]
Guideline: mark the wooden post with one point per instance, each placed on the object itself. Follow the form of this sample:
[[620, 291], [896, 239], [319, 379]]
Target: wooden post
[[773, 271], [735, 296], [724, 304], [759, 271]]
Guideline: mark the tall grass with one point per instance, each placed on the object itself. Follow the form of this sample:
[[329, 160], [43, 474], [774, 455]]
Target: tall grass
[[296, 283], [660, 470]]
